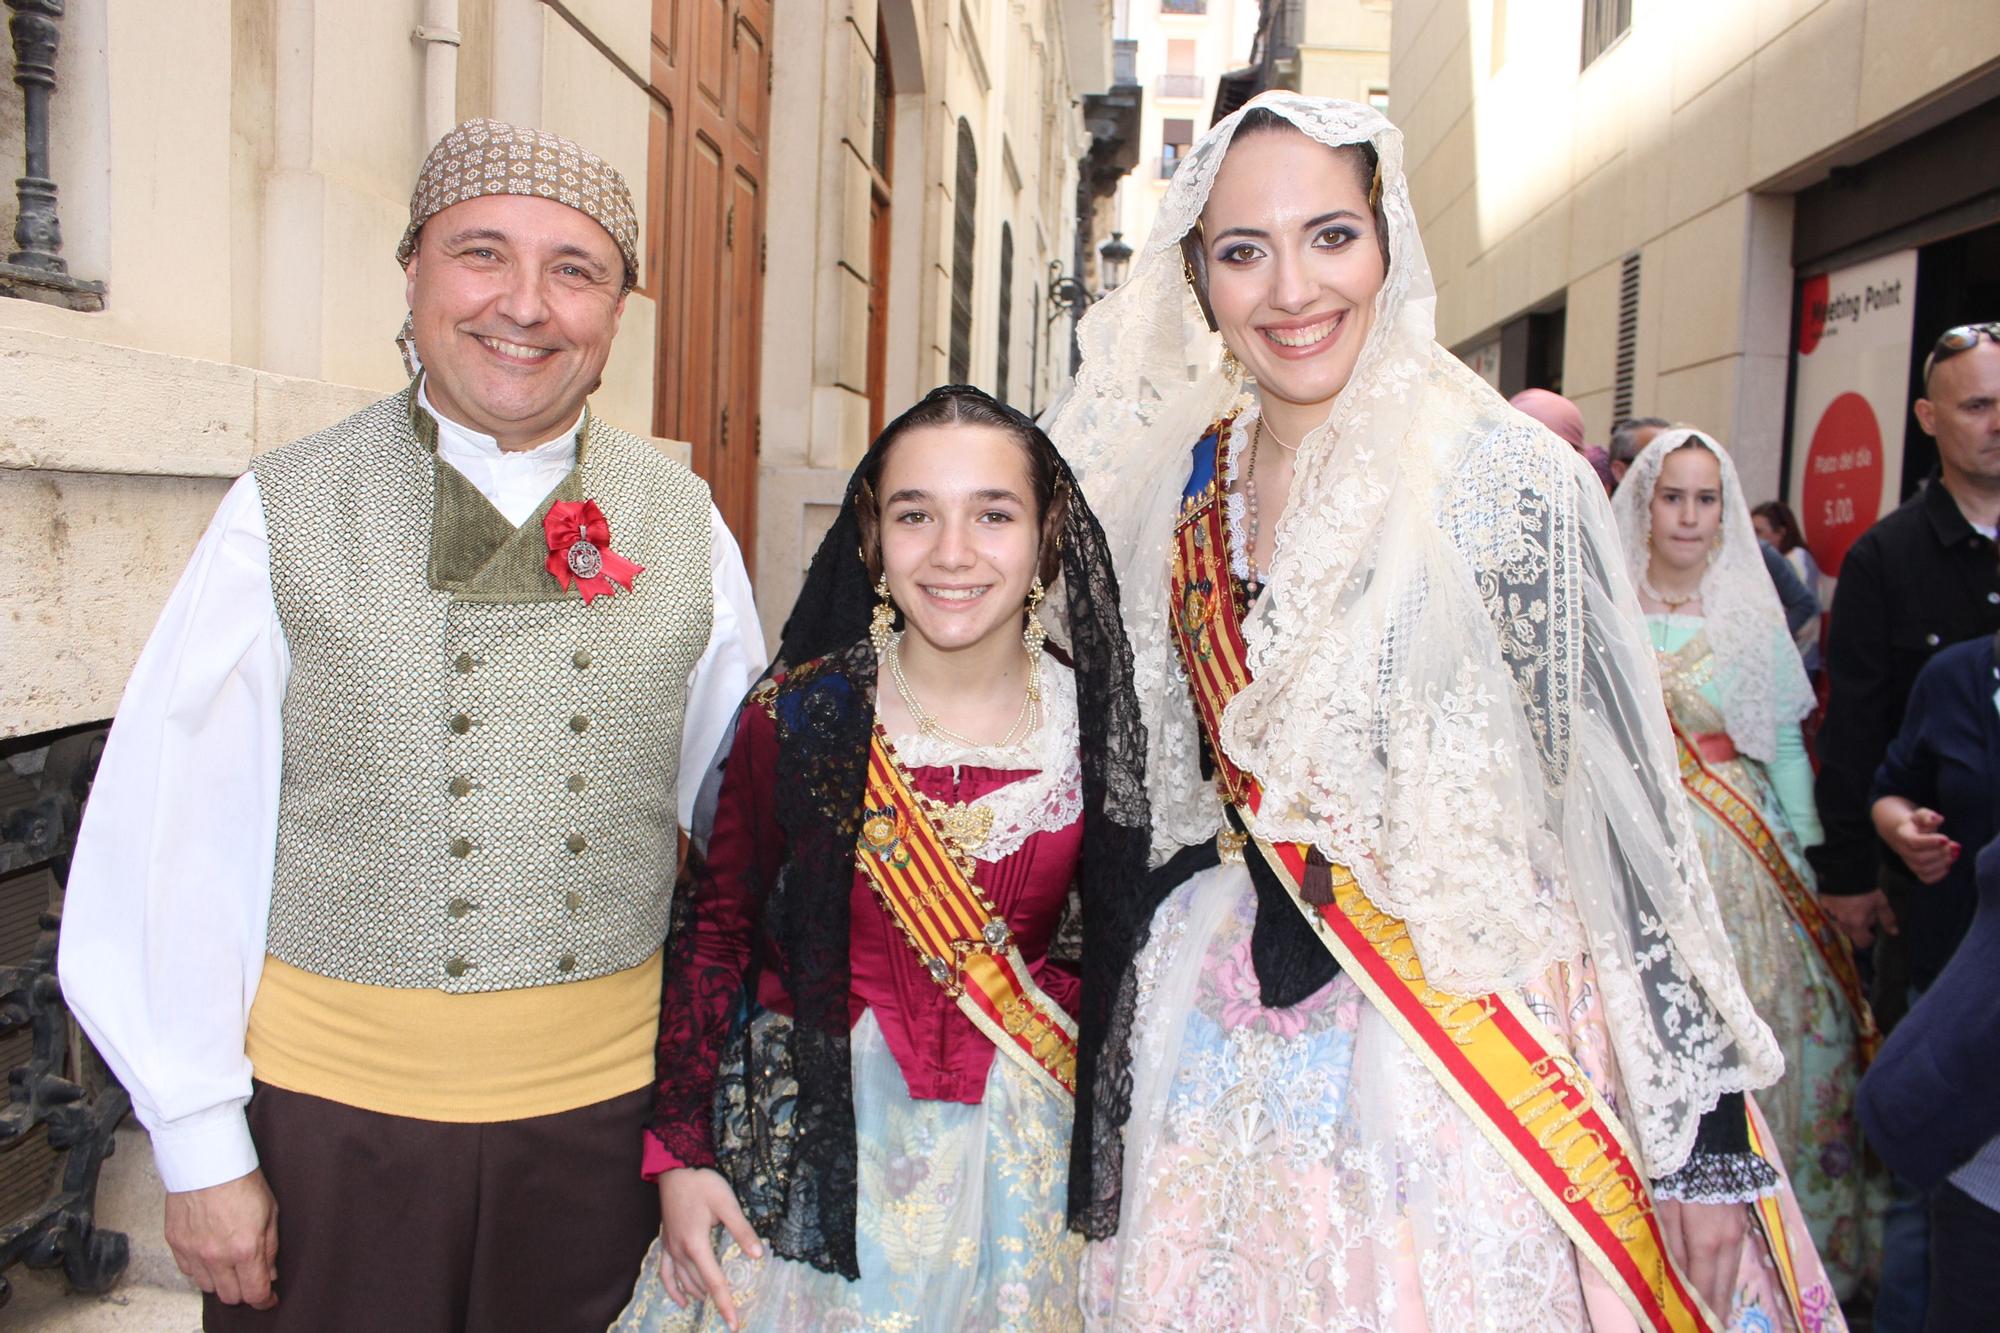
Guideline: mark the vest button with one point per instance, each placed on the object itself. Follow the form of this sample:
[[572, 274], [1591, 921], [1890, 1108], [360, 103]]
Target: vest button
[[461, 724], [457, 967], [580, 658], [576, 782], [464, 664], [461, 786], [461, 848], [566, 963], [579, 724], [573, 900], [577, 843], [458, 907]]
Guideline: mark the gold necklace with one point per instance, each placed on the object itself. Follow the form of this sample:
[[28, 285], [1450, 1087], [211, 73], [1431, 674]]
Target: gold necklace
[[1025, 722]]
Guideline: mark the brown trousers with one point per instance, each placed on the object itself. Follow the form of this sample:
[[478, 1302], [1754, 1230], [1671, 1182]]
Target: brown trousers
[[393, 1225]]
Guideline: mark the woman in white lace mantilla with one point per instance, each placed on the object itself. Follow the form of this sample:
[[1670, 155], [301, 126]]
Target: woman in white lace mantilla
[[1439, 698], [1737, 691]]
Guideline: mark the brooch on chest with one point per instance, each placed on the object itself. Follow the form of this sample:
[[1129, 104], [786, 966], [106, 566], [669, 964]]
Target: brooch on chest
[[580, 553]]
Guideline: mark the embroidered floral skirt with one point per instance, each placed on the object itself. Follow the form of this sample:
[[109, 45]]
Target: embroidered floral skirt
[[1811, 1109], [959, 1222], [1295, 1169]]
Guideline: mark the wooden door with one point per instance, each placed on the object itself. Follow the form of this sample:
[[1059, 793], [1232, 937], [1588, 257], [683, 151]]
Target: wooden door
[[710, 78]]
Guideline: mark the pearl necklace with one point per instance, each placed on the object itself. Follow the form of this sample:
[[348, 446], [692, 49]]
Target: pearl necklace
[[1252, 582], [1673, 605], [1024, 726]]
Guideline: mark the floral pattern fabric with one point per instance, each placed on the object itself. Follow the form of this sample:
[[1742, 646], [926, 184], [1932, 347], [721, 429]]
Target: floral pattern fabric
[[1300, 1169], [959, 1225]]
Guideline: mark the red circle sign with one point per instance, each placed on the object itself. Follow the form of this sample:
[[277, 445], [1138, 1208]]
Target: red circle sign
[[1843, 481], [1812, 312]]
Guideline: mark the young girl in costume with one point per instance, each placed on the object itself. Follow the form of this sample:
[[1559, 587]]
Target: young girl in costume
[[1737, 691], [868, 1045]]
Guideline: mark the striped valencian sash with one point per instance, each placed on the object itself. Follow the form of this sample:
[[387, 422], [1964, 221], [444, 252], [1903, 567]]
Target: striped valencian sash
[[1489, 1052], [1740, 816], [923, 879]]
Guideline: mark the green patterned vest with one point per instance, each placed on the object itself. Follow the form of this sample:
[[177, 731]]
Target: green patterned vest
[[479, 770]]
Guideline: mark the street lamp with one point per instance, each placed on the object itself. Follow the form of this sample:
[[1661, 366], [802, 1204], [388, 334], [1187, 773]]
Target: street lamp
[[1115, 255]]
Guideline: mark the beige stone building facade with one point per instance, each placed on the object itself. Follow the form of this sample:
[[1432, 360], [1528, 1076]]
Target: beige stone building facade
[[1640, 202], [1344, 50], [236, 174]]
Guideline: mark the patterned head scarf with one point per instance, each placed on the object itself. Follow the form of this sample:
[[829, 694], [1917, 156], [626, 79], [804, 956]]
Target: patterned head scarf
[[483, 157]]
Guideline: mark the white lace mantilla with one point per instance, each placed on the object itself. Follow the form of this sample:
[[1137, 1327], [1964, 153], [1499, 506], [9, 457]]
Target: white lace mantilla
[[1452, 693], [1049, 800]]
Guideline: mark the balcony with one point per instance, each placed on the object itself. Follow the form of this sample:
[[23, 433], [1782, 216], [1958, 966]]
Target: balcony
[[1186, 87]]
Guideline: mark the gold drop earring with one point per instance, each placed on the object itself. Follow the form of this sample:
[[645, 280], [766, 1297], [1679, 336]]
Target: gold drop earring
[[882, 623], [1033, 634]]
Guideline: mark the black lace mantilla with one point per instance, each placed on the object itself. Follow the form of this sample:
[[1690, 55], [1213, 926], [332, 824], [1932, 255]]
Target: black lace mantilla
[[768, 1099]]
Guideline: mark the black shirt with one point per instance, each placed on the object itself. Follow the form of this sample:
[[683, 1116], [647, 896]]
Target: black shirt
[[1921, 579]]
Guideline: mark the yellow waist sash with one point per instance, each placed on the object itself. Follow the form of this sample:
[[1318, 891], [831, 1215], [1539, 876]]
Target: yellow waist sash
[[470, 1059]]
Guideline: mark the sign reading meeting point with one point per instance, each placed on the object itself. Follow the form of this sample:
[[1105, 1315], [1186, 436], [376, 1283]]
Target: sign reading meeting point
[[1853, 370]]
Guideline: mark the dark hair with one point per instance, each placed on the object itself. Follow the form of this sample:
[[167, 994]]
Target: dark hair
[[1779, 515], [1262, 120], [964, 405], [1623, 447]]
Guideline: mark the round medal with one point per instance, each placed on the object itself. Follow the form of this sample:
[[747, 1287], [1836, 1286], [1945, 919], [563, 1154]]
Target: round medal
[[585, 560]]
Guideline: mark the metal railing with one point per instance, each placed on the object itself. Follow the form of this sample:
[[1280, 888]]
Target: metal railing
[[1181, 85], [37, 270]]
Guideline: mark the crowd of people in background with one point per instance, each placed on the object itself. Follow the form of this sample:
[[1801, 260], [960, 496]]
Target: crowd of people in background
[[1842, 756]]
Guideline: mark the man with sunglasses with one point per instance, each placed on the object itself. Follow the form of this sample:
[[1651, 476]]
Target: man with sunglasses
[[1922, 578]]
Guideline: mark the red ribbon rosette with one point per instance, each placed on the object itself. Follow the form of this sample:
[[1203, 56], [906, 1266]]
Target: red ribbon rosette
[[580, 551]]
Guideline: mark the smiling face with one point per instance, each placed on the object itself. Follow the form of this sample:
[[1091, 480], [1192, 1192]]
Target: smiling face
[[1686, 508], [514, 301], [1294, 263], [959, 532]]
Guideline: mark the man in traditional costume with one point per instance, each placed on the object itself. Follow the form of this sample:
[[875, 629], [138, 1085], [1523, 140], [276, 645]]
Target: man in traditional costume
[[367, 909]]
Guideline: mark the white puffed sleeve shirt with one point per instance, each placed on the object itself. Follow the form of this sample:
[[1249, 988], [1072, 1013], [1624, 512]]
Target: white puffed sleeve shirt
[[169, 890]]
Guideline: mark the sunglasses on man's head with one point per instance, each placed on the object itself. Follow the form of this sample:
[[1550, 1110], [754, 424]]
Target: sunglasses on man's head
[[1953, 341]]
